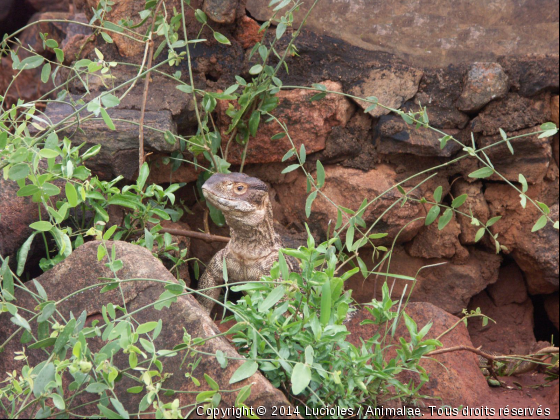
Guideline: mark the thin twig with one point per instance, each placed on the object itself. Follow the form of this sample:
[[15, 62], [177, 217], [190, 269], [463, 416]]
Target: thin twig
[[198, 235], [150, 41]]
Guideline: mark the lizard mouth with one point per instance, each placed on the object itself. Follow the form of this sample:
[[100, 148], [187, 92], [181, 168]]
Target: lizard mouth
[[225, 203]]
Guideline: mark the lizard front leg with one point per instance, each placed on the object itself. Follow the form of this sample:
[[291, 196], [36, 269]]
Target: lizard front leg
[[212, 277]]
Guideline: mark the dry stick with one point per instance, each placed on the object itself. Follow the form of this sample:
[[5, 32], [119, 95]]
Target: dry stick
[[198, 235], [150, 41]]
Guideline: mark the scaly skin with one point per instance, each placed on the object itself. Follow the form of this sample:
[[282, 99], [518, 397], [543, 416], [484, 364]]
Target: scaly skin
[[254, 244]]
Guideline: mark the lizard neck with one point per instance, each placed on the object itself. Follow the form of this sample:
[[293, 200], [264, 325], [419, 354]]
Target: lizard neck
[[253, 241]]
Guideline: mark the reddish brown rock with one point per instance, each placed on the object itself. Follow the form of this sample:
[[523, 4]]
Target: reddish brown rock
[[512, 113], [531, 156], [309, 123], [474, 203], [536, 253], [81, 270], [220, 11], [247, 32], [49, 5], [513, 331], [396, 136], [434, 243], [392, 87], [554, 111], [455, 377], [484, 82], [532, 74], [551, 305], [349, 187], [162, 173], [510, 287]]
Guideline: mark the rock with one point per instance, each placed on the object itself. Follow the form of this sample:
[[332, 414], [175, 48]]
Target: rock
[[56, 30], [309, 123], [531, 156], [510, 287], [80, 270], [16, 214], [455, 377], [449, 285], [119, 151], [392, 86], [474, 203], [484, 82], [533, 73], [395, 136], [441, 87], [349, 187], [247, 32], [554, 111], [220, 11], [434, 243], [513, 331], [536, 253], [434, 34], [440, 116], [5, 8], [161, 173], [129, 11], [512, 113], [551, 305], [49, 5]]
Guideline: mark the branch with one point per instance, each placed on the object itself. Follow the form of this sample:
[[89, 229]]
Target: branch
[[198, 235]]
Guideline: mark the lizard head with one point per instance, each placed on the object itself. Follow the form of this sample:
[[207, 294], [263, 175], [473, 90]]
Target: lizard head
[[240, 197]]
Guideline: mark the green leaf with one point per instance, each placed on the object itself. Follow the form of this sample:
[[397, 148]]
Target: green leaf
[[45, 376], [443, 141], [479, 234], [211, 382], [58, 401], [437, 194], [147, 327], [107, 413], [246, 370], [445, 219], [482, 173], [47, 311], [48, 153], [42, 226], [272, 299], [109, 100], [523, 182], [62, 339], [309, 355], [242, 395], [47, 342], [254, 121], [326, 304], [107, 119], [256, 69], [544, 207], [19, 171], [46, 72], [30, 62], [493, 220], [290, 168], [185, 88], [280, 29], [309, 202], [23, 252], [71, 194], [107, 37], [221, 38], [143, 175], [540, 223], [59, 55], [320, 174], [432, 215], [200, 16], [459, 201], [301, 376]]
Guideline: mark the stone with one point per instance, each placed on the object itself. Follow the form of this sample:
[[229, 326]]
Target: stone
[[510, 287], [512, 332], [455, 377], [5, 8], [551, 305], [536, 253], [349, 187], [162, 173], [483, 83], [434, 243], [393, 135], [391, 86], [220, 11], [80, 270], [474, 203], [433, 34], [119, 151], [247, 32], [440, 116], [512, 113], [554, 111], [531, 156], [532, 74], [16, 214], [309, 123], [49, 5]]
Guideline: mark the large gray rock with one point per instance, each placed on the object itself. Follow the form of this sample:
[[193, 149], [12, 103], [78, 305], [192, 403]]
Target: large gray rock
[[82, 270], [434, 33], [484, 82]]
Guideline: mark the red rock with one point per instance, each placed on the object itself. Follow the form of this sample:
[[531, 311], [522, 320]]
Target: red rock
[[161, 173], [554, 112], [476, 203], [455, 377], [513, 331], [484, 82], [247, 32], [510, 287], [220, 11], [551, 305], [308, 123]]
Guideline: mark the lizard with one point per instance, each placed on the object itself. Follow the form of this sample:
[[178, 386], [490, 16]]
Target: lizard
[[254, 244]]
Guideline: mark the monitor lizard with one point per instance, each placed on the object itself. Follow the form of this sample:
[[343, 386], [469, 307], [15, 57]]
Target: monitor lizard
[[254, 244]]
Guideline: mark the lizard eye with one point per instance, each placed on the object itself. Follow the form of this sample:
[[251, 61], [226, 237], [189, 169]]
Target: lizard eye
[[240, 189]]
